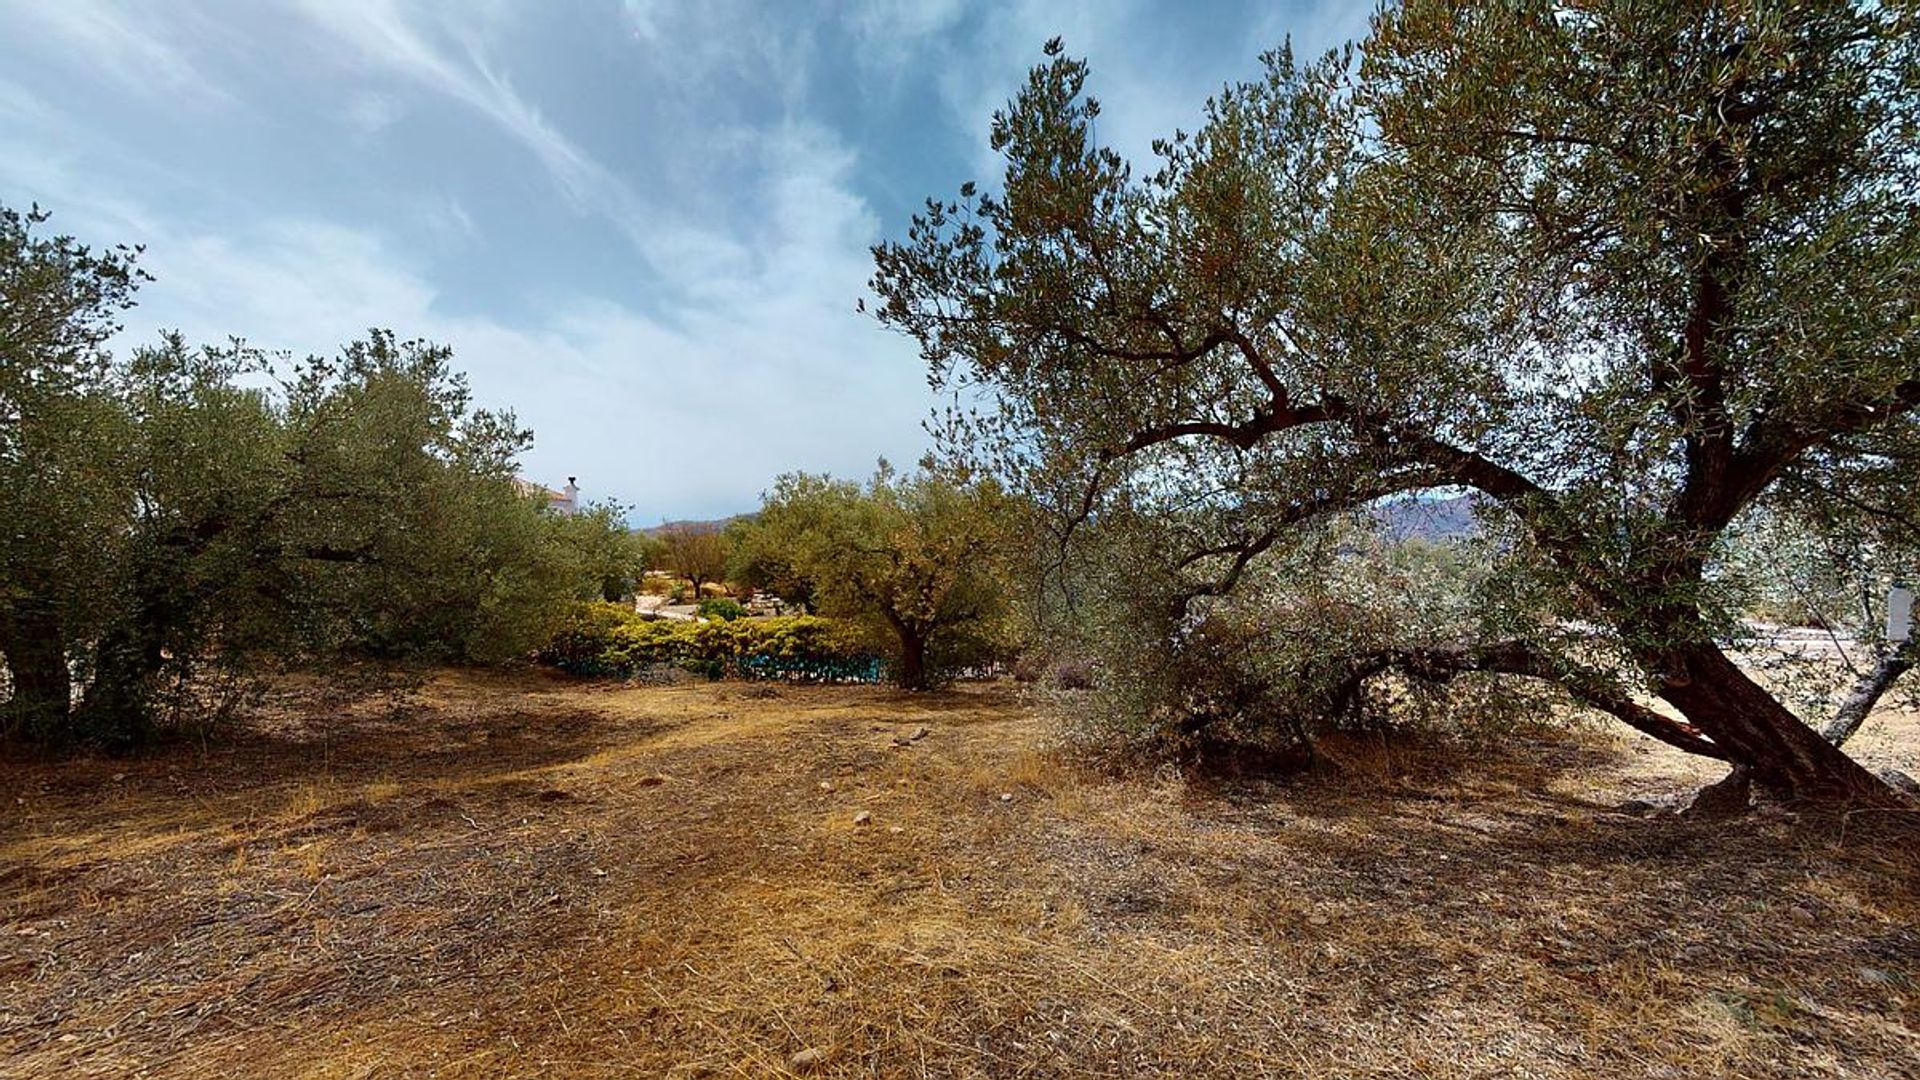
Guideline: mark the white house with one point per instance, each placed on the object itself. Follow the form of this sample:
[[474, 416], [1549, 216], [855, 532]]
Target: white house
[[564, 501]]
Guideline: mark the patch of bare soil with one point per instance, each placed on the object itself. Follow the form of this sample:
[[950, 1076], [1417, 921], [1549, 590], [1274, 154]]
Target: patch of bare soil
[[519, 876]]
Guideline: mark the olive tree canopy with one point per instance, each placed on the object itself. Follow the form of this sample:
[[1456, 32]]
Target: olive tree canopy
[[1626, 269], [915, 561], [178, 516]]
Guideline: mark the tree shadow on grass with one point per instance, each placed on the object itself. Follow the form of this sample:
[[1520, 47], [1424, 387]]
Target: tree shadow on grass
[[305, 750]]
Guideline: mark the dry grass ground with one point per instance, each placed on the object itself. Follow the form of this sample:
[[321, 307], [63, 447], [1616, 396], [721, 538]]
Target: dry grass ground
[[517, 876]]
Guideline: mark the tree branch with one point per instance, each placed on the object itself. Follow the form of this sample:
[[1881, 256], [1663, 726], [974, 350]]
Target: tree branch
[[1246, 550], [1588, 687], [1868, 691], [1770, 445]]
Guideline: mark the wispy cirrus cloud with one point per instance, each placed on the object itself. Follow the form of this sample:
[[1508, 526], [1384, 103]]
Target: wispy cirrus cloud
[[641, 225], [140, 46], [389, 35]]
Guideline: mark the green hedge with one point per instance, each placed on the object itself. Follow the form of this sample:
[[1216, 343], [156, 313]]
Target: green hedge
[[609, 640], [724, 608]]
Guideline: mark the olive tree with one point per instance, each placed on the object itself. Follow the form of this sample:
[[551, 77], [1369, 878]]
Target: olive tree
[[1624, 269], [915, 560], [59, 433], [607, 556], [697, 553], [187, 513]]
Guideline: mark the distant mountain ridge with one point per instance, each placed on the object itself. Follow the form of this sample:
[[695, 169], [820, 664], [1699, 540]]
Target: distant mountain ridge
[[1443, 518], [696, 526], [1446, 518]]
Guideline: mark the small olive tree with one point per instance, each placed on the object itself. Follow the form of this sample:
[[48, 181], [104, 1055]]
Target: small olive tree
[[606, 556], [696, 553], [916, 560]]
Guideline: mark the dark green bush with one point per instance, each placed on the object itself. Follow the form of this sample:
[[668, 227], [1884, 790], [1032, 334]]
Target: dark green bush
[[724, 608], [581, 643]]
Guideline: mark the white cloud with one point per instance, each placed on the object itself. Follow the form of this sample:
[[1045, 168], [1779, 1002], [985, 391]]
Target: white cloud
[[643, 17], [20, 106], [451, 220], [446, 51], [384, 35], [696, 55], [690, 412], [370, 114], [892, 32], [137, 44], [33, 169], [1145, 94], [1324, 25]]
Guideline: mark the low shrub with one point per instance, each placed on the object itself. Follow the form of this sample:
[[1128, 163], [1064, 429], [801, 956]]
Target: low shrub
[[580, 644], [724, 608], [606, 640]]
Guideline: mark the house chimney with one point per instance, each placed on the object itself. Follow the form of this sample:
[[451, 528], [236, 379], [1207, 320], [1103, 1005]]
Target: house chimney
[[572, 492]]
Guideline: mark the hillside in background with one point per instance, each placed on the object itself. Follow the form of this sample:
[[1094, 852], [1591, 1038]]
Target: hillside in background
[[1441, 518], [1447, 518], [707, 526]]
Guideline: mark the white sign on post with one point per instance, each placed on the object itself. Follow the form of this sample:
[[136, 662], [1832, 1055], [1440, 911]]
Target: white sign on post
[[1899, 613]]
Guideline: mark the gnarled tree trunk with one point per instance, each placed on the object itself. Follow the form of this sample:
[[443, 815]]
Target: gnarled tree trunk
[[116, 711], [913, 674], [1780, 752]]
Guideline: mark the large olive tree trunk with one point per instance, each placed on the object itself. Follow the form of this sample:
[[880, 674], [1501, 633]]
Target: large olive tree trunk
[[1779, 751], [912, 673], [117, 709]]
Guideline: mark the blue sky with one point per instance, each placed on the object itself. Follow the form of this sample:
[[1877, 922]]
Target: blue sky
[[642, 225]]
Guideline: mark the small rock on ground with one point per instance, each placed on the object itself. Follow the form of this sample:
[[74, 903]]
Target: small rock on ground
[[808, 1058], [862, 818]]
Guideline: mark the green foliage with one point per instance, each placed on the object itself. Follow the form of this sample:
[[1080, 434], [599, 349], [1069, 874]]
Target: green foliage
[[182, 517], [1326, 635], [761, 549], [697, 554], [1626, 272], [601, 552], [608, 640], [724, 608], [917, 563]]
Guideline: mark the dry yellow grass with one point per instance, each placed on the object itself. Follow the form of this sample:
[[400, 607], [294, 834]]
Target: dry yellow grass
[[519, 876]]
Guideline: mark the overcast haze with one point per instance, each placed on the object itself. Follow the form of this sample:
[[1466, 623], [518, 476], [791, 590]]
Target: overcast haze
[[641, 225]]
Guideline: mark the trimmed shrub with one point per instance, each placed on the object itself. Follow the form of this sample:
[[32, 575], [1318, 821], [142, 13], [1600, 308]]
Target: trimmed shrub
[[724, 608], [580, 644], [607, 640]]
